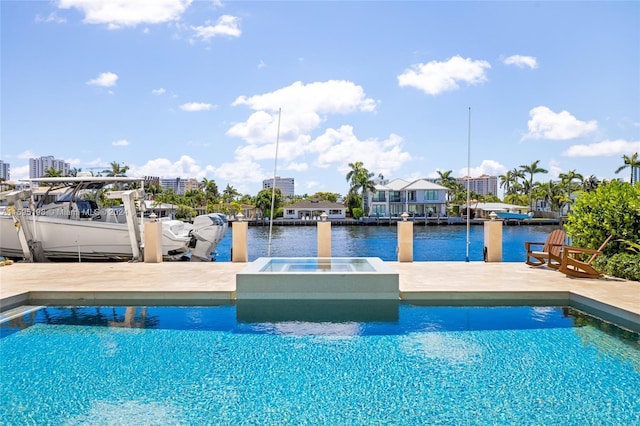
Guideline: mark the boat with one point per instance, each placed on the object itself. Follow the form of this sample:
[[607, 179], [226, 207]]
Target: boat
[[70, 221], [514, 216]]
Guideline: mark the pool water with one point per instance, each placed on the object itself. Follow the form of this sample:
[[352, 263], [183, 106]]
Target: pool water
[[317, 363], [314, 264]]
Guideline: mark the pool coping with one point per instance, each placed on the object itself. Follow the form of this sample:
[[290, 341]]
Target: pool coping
[[452, 283]]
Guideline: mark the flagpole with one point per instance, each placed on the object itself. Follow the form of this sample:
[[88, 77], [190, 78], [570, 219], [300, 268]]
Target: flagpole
[[468, 183], [273, 184]]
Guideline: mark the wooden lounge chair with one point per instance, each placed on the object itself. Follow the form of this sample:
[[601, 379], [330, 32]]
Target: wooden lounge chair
[[576, 261], [550, 253]]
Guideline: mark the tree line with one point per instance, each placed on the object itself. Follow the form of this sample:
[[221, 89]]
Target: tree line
[[519, 184]]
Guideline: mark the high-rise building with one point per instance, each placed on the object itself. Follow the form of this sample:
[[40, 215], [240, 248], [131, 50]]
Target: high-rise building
[[285, 185], [483, 185], [5, 170], [636, 174], [38, 166], [176, 184], [191, 183]]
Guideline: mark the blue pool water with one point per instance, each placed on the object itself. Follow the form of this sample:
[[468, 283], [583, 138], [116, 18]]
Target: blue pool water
[[431, 243], [346, 363]]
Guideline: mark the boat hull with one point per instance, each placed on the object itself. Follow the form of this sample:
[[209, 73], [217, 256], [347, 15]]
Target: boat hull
[[62, 239]]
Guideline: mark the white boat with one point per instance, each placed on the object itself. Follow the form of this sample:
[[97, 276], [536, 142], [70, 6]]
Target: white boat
[[67, 223]]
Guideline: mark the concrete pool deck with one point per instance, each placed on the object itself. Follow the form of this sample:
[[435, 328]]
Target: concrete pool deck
[[209, 283]]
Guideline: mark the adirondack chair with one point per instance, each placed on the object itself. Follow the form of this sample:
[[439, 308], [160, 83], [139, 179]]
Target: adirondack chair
[[550, 253], [576, 261]]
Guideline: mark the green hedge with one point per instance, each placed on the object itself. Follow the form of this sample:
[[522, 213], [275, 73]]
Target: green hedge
[[621, 265]]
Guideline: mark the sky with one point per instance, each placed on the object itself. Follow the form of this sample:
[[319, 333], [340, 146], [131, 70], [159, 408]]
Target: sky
[[218, 90]]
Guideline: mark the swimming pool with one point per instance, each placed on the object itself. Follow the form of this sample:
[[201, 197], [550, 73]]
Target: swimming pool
[[317, 362]]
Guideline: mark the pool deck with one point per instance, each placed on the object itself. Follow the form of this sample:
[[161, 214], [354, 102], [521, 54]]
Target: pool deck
[[210, 283]]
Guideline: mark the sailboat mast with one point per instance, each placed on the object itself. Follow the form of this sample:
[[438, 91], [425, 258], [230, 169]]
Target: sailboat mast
[[468, 184], [273, 184]]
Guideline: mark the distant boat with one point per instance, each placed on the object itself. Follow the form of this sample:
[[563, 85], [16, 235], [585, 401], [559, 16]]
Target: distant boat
[[514, 216]]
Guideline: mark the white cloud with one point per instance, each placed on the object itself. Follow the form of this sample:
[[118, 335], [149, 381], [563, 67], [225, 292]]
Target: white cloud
[[25, 155], [521, 61], [546, 124], [159, 91], [304, 108], [226, 25], [436, 77], [261, 64], [185, 167], [106, 79], [52, 17], [605, 148], [19, 173], [196, 106], [120, 142], [487, 167], [554, 169], [298, 167], [241, 173], [328, 97], [127, 13], [337, 147]]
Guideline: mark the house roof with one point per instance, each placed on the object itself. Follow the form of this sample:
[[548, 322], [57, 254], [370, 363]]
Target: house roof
[[315, 205], [401, 184], [422, 184]]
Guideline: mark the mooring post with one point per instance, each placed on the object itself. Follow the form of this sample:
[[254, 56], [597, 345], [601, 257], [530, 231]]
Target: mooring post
[[493, 239], [239, 245], [152, 240], [405, 239], [324, 236]]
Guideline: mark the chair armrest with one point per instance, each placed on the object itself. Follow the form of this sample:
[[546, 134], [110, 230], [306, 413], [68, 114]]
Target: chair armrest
[[528, 244], [579, 250]]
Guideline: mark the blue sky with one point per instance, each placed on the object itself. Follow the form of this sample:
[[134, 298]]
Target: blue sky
[[194, 88]]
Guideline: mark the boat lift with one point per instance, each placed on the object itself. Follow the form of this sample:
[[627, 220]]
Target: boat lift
[[31, 249]]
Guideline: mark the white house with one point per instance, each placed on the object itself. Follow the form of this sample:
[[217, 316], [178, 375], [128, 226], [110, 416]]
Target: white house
[[313, 209], [418, 198]]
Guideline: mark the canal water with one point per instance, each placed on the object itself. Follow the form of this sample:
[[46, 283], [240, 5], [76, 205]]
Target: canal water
[[430, 243]]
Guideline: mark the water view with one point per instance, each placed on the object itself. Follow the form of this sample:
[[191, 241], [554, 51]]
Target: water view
[[430, 243]]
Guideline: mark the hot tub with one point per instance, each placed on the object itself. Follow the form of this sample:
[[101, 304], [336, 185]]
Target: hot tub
[[342, 278]]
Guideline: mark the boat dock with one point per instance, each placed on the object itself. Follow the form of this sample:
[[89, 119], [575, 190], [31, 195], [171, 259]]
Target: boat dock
[[392, 221]]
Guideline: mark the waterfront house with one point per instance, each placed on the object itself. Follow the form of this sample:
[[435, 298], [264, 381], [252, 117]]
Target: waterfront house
[[313, 209], [483, 210], [419, 198]]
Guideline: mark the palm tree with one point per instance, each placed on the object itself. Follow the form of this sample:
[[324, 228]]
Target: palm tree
[[531, 170], [263, 201], [52, 172], [116, 170], [445, 179], [590, 184], [566, 180], [229, 194], [210, 189], [359, 179], [632, 162]]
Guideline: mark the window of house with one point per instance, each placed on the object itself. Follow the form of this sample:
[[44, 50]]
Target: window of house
[[394, 196], [379, 196], [430, 195]]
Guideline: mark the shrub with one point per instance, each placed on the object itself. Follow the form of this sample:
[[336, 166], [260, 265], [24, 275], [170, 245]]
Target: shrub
[[612, 209], [357, 213], [621, 265]]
